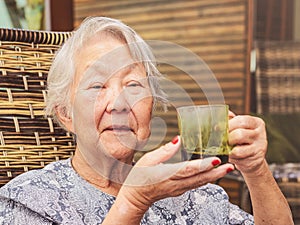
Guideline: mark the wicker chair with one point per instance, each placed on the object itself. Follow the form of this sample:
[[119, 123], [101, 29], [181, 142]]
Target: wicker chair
[[277, 76], [28, 140]]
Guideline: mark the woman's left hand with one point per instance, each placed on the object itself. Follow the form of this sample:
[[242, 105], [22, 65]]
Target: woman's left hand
[[248, 136]]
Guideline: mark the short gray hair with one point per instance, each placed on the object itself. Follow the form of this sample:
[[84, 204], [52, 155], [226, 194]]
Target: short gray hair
[[62, 71]]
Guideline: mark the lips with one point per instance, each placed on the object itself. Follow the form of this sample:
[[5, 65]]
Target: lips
[[118, 128]]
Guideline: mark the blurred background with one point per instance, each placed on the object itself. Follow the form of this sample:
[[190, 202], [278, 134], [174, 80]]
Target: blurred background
[[252, 48]]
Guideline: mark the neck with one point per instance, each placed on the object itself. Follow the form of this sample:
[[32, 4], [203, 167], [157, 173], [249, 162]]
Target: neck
[[104, 179]]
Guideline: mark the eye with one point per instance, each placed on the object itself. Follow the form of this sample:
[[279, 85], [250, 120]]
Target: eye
[[134, 84], [96, 86], [134, 87]]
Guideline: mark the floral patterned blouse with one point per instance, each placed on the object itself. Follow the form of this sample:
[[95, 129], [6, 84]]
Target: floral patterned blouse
[[58, 195]]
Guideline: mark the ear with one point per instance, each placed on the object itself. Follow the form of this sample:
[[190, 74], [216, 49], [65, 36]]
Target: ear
[[64, 118]]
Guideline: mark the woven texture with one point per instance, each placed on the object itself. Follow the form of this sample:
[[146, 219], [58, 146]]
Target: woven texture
[[28, 140], [278, 77]]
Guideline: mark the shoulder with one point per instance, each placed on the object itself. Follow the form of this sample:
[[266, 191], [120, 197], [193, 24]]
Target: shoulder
[[42, 178], [36, 189], [16, 213], [56, 193]]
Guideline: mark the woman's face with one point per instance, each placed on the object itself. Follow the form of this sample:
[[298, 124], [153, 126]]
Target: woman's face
[[111, 100]]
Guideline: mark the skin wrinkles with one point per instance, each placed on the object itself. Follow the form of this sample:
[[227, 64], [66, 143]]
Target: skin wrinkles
[[115, 102]]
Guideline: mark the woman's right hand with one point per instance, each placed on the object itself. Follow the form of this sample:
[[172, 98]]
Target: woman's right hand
[[151, 180]]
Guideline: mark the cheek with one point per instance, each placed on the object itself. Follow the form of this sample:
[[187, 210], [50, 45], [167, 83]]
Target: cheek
[[143, 113], [86, 110]]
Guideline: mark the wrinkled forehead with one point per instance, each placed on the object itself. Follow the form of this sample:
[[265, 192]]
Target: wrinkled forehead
[[103, 51], [104, 54], [103, 48]]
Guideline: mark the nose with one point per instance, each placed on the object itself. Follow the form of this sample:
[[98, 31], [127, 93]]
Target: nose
[[117, 101]]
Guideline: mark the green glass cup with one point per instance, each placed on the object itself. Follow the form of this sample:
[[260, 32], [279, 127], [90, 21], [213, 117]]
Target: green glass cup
[[204, 131]]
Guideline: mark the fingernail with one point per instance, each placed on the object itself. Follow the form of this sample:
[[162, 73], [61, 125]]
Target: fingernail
[[229, 170], [215, 162], [175, 140]]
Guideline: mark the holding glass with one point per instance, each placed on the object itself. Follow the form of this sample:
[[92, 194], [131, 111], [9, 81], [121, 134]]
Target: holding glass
[[204, 131]]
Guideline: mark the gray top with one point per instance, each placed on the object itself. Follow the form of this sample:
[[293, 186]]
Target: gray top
[[58, 195]]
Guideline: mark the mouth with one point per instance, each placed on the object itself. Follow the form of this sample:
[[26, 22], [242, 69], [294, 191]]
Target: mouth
[[119, 128]]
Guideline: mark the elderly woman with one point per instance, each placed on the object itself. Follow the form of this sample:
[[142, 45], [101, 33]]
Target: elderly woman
[[102, 87]]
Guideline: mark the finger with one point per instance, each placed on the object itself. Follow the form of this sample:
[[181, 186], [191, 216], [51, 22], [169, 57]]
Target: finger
[[193, 167], [246, 151], [160, 172], [161, 154], [231, 114], [149, 175], [145, 175], [245, 121], [202, 178], [242, 136], [241, 152]]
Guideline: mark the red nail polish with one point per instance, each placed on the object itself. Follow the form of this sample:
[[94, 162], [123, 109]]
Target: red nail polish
[[175, 140], [229, 170], [215, 162]]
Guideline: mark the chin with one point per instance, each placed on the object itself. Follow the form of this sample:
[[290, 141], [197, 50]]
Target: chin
[[121, 154], [121, 146]]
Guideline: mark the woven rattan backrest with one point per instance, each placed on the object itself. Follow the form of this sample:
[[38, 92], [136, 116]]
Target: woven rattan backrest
[[278, 77], [28, 140]]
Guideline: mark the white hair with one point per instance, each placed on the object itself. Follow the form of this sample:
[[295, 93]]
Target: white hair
[[62, 71]]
